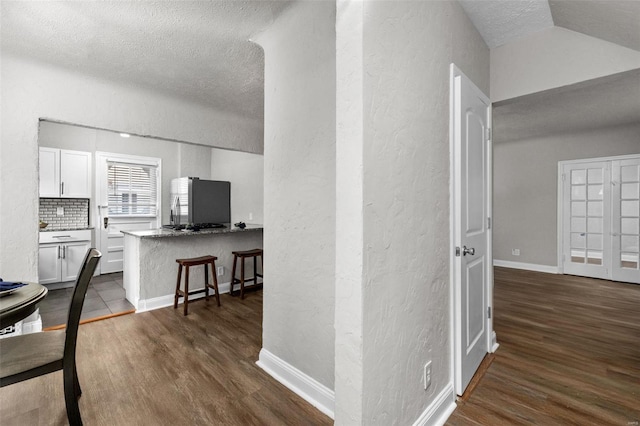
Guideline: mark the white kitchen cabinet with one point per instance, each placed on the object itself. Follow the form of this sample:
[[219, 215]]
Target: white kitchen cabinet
[[73, 255], [49, 172], [65, 173], [61, 254], [49, 263]]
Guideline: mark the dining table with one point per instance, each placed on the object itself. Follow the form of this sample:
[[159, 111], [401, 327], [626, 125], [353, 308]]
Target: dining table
[[20, 303]]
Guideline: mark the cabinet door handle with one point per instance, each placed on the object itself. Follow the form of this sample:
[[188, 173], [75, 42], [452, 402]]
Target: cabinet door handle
[[61, 188], [64, 252], [58, 252]]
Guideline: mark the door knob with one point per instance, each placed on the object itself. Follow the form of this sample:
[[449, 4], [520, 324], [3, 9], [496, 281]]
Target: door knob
[[466, 251], [106, 222]]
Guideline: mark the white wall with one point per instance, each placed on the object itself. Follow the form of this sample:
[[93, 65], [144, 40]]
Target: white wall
[[392, 84], [245, 171], [194, 160], [525, 187], [349, 212], [553, 58], [408, 47], [299, 187], [31, 91]]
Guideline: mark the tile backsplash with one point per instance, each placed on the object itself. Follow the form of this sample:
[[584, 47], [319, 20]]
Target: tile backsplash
[[76, 212]]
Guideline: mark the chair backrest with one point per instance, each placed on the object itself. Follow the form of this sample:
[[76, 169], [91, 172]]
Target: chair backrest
[[89, 264]]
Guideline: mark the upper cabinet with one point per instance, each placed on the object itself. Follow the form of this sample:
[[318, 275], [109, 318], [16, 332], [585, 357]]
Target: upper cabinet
[[65, 173]]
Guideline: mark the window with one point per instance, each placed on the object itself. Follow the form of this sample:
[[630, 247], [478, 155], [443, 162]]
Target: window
[[132, 189]]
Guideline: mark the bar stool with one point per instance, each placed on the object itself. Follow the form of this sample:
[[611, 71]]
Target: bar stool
[[196, 261], [243, 255]]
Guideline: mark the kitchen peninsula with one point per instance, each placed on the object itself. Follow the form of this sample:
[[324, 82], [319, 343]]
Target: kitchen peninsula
[[150, 267]]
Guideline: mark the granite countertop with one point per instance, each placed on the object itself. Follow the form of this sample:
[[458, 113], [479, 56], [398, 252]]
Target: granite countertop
[[65, 229], [161, 233]]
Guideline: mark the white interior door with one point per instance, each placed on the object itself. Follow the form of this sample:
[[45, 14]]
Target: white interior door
[[472, 264], [127, 200], [625, 236]]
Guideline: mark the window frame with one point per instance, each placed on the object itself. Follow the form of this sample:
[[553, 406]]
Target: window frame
[[129, 194], [133, 160]]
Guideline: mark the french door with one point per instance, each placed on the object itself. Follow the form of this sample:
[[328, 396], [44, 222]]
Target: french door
[[600, 201], [625, 193]]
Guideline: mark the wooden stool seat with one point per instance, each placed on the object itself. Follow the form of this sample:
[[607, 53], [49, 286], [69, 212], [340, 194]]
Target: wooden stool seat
[[196, 261], [242, 255], [248, 253]]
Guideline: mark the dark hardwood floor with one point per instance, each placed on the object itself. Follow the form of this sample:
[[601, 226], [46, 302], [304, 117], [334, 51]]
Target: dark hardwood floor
[[569, 354], [162, 368]]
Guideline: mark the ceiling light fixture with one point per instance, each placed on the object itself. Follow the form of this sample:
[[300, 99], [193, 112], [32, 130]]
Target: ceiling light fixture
[[125, 135]]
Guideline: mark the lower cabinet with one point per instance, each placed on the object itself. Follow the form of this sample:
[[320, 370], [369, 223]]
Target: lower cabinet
[[61, 261], [49, 264]]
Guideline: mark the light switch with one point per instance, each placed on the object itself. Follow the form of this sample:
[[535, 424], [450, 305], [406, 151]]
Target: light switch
[[60, 211]]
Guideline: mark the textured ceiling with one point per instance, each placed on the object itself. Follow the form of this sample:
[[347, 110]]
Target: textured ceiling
[[502, 21], [198, 50], [608, 101], [614, 21]]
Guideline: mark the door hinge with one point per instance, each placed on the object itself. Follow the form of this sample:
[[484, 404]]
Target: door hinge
[[457, 251], [489, 133], [489, 311], [488, 223]]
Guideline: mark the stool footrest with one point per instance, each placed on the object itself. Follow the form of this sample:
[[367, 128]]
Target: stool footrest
[[202, 290], [248, 280]]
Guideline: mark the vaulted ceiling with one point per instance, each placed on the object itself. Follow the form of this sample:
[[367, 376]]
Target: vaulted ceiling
[[609, 101], [502, 21]]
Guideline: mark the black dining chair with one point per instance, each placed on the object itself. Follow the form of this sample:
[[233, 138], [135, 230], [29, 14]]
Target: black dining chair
[[31, 355]]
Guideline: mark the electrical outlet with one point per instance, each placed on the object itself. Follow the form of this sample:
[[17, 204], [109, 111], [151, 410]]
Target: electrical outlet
[[250, 216], [60, 211], [427, 375], [515, 252], [220, 271]]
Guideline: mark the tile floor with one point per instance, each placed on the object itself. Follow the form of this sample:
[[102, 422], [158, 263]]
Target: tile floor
[[105, 296]]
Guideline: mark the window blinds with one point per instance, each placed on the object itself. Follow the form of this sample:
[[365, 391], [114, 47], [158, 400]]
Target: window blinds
[[133, 189]]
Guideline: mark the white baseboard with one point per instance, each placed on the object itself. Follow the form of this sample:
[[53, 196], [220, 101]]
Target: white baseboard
[[494, 342], [440, 409], [526, 266], [164, 301], [309, 389]]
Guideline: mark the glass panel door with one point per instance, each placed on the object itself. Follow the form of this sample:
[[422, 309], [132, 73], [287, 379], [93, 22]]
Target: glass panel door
[[626, 220], [586, 187]]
